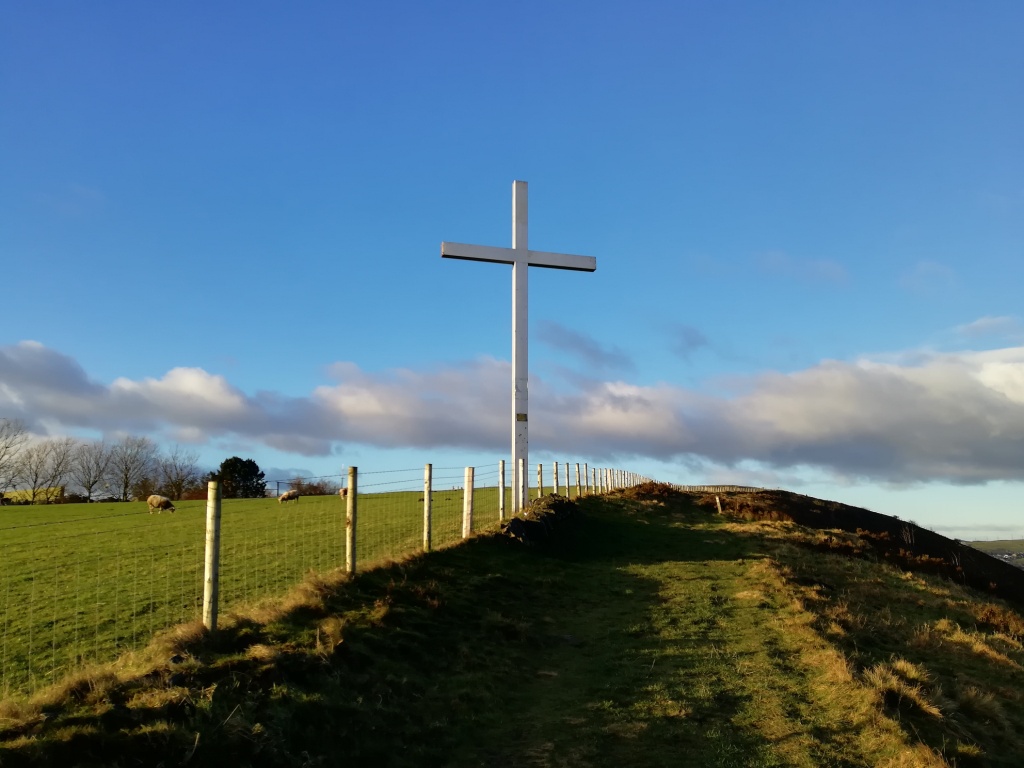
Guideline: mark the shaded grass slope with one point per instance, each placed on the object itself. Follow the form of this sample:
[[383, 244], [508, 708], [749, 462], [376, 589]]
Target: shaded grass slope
[[901, 542], [652, 632]]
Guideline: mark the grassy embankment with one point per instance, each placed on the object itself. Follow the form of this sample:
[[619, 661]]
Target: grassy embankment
[[661, 634]]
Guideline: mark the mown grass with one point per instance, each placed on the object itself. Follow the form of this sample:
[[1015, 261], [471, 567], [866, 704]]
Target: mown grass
[[85, 582], [658, 634]]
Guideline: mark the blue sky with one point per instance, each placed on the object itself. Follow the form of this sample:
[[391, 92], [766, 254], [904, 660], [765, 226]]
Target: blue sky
[[220, 226]]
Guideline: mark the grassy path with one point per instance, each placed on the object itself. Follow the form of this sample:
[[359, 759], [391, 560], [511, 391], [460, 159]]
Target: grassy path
[[681, 639]]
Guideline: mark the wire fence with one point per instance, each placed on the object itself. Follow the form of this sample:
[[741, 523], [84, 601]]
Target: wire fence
[[84, 583]]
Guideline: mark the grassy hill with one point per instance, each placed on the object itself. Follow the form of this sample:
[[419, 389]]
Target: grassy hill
[[651, 632], [1000, 546]]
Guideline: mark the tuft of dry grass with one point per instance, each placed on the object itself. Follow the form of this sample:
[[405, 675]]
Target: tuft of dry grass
[[897, 691]]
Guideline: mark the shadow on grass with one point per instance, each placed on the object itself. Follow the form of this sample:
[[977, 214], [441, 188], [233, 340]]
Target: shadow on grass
[[487, 653], [947, 662]]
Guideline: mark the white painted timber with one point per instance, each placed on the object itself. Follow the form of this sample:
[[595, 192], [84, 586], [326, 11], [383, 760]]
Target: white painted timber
[[521, 258], [510, 255]]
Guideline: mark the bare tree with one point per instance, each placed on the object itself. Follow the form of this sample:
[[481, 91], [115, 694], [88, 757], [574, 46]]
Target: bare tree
[[131, 460], [44, 466], [62, 457], [178, 472], [12, 438], [90, 466], [314, 486], [33, 467]]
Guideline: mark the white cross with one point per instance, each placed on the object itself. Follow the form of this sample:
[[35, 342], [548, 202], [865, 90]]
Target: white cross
[[520, 257]]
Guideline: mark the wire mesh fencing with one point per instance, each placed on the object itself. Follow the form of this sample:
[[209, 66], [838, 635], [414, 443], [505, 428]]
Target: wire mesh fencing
[[85, 583], [89, 587]]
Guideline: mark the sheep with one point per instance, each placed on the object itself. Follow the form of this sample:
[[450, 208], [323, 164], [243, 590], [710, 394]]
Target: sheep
[[159, 503], [292, 495], [343, 493]]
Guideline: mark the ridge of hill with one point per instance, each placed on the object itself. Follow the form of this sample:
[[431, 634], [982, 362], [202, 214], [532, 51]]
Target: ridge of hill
[[787, 631], [901, 542]]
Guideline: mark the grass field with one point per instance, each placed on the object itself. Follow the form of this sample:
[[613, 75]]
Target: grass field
[[1000, 546], [85, 582], [656, 634]]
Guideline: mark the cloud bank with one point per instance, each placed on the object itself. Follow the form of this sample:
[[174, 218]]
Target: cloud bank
[[954, 417]]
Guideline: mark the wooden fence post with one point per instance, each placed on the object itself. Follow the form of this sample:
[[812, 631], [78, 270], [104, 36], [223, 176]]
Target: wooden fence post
[[428, 485], [350, 521], [211, 580], [586, 477], [467, 504], [501, 491], [579, 486]]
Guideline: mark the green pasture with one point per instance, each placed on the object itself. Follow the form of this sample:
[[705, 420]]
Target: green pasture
[[1009, 546], [86, 582]]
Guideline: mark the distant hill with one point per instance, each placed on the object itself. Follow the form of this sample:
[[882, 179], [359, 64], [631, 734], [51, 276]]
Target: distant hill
[[1001, 546], [639, 628]]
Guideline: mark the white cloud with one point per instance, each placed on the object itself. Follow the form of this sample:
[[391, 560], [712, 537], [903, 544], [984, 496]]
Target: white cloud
[[990, 326], [583, 347], [954, 417], [72, 200], [928, 277], [686, 340], [813, 270]]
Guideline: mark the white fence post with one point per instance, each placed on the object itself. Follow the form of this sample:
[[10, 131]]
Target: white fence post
[[586, 477], [540, 479], [467, 504], [350, 521], [428, 487], [579, 486], [211, 580], [501, 490]]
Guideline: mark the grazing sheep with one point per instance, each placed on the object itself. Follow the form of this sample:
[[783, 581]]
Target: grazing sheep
[[291, 495], [343, 493], [159, 503]]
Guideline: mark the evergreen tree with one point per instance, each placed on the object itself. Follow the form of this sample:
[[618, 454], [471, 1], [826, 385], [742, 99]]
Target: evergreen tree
[[240, 479]]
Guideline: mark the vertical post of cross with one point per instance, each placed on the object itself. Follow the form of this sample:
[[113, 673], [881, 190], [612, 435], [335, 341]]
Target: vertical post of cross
[[520, 324]]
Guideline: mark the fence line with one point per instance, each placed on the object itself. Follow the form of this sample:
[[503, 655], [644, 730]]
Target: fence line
[[72, 594]]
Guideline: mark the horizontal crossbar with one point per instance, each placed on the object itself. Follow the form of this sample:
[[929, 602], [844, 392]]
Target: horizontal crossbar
[[511, 255]]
